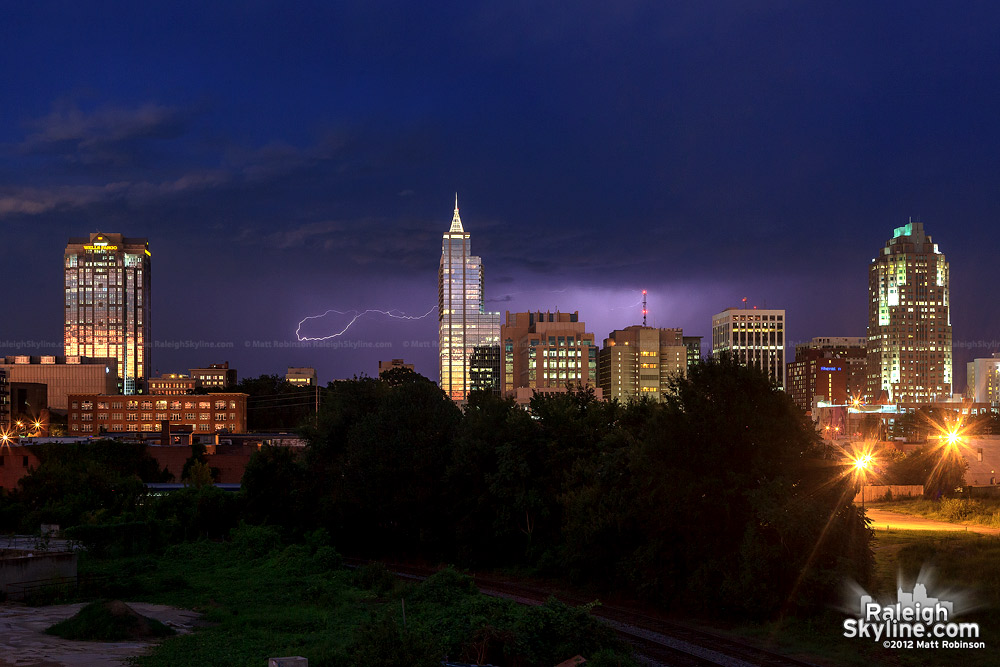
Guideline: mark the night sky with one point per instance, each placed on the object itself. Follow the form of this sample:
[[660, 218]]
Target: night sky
[[289, 158]]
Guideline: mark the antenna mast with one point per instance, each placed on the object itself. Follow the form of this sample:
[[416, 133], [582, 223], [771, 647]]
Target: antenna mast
[[644, 311]]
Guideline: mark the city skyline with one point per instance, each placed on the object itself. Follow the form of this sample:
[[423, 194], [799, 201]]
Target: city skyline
[[281, 167]]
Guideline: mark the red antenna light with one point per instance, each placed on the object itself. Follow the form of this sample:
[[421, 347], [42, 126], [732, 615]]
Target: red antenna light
[[644, 308]]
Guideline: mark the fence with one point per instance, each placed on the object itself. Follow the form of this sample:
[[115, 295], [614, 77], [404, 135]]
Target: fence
[[874, 492]]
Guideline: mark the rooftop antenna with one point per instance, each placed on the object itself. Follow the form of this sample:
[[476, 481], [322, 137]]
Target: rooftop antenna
[[644, 311], [744, 303]]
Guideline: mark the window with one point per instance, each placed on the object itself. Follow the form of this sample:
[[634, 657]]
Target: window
[[189, 415], [116, 416], [221, 417], [205, 415]]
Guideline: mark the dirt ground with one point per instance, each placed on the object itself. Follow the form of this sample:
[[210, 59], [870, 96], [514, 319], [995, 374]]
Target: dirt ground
[[24, 644]]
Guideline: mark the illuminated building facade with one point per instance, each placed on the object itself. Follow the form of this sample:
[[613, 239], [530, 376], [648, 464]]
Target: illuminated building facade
[[832, 367], [301, 376], [546, 351], [693, 345], [107, 304], [641, 361], [755, 337], [62, 375], [984, 379], [172, 384], [468, 336], [215, 376], [909, 320], [91, 414]]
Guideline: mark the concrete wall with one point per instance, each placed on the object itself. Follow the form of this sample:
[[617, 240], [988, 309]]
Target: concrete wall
[[19, 567]]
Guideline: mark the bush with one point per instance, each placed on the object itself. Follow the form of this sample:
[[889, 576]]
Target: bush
[[382, 642], [958, 509], [445, 587], [254, 541], [327, 558], [375, 577]]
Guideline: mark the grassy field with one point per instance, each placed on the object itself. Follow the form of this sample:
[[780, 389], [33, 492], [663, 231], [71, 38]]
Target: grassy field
[[261, 602], [984, 512], [261, 599]]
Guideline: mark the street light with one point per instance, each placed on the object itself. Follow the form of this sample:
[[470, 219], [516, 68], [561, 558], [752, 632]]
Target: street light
[[862, 464]]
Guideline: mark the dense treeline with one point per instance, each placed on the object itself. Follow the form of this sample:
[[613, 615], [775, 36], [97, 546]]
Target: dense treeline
[[719, 498]]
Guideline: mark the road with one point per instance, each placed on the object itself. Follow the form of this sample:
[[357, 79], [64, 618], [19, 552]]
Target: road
[[897, 521]]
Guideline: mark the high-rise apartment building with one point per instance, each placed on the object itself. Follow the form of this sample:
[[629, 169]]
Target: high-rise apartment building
[[909, 320], [641, 361], [468, 336], [547, 351], [107, 304], [755, 337]]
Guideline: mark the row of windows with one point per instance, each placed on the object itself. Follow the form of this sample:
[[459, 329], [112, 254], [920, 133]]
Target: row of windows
[[148, 405]]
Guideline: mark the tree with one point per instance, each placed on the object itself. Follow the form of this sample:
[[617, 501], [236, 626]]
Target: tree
[[739, 509]]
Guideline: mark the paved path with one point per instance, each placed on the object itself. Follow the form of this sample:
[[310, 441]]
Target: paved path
[[898, 521], [23, 644]]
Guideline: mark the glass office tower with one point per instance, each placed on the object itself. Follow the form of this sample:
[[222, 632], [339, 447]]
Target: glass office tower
[[468, 336]]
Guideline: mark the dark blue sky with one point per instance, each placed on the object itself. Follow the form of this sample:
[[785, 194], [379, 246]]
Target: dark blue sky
[[289, 158]]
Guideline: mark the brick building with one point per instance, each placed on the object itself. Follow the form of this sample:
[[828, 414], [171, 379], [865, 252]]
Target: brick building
[[91, 414]]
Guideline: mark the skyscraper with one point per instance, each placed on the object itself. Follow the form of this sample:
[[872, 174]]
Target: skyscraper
[[755, 337], [468, 336], [107, 304], [909, 319]]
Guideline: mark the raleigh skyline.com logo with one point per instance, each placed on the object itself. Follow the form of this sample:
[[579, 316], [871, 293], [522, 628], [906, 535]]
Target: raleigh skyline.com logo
[[915, 621]]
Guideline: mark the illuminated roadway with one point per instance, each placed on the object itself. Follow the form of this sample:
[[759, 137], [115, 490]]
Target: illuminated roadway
[[896, 521]]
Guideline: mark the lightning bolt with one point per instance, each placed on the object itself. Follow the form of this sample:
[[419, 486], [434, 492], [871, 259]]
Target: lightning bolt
[[358, 314]]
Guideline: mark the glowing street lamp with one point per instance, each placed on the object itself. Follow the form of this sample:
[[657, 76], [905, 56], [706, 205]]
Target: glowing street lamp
[[862, 465]]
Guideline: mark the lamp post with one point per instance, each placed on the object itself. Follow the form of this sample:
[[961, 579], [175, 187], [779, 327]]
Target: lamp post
[[861, 467]]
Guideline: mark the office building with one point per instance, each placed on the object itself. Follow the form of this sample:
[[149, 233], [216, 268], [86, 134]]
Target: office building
[[755, 337], [693, 345], [301, 376], [546, 352], [468, 335], [832, 369], [216, 376], [63, 375], [172, 384], [107, 304], [91, 414], [640, 361], [909, 320], [984, 379]]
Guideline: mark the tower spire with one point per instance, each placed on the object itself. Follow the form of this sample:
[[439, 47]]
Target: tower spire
[[456, 221]]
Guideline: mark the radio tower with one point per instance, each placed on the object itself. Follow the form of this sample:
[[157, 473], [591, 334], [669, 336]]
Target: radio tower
[[643, 307]]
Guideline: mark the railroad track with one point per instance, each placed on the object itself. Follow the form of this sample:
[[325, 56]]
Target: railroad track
[[657, 640]]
